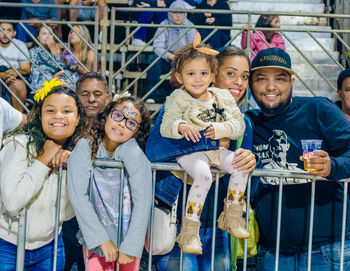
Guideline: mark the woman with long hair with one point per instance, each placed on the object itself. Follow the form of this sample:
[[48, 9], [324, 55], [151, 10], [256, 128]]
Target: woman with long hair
[[80, 49]]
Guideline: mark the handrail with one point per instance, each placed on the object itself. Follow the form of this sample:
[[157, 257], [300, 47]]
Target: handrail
[[281, 174]]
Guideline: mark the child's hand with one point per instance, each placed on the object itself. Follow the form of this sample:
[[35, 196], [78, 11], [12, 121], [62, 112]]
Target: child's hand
[[210, 132], [244, 160], [189, 132], [50, 150], [60, 157], [110, 251], [124, 258]]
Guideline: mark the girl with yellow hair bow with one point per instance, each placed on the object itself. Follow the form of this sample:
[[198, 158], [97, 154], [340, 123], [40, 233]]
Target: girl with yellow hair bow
[[29, 177]]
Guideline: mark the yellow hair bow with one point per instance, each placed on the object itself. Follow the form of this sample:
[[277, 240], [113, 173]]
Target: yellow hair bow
[[40, 94], [118, 96], [204, 50]]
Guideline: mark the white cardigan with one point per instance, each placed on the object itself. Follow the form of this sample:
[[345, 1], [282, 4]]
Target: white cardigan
[[28, 184], [181, 107]]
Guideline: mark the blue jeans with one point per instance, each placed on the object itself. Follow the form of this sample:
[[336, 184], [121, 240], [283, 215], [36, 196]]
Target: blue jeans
[[171, 261], [162, 149], [153, 76], [325, 258], [146, 18], [36, 259]]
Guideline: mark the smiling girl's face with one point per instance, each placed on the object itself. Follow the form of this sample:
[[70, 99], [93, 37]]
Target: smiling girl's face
[[122, 123], [233, 74], [196, 76], [59, 117]]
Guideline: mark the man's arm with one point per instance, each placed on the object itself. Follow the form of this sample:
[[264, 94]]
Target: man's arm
[[335, 132], [24, 69]]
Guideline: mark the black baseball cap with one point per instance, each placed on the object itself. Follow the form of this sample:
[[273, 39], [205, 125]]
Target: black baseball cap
[[273, 58], [342, 76]]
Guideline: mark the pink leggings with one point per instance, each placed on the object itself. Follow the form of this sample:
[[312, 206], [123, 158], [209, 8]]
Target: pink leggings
[[97, 263]]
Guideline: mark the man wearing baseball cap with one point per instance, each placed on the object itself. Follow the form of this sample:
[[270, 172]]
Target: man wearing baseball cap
[[343, 84], [297, 118]]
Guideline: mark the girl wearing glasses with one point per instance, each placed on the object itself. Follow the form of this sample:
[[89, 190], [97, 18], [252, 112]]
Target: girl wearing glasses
[[118, 133]]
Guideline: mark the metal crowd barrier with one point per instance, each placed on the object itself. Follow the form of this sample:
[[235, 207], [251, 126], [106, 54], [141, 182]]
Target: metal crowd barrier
[[45, 23], [126, 54], [129, 53], [281, 174]]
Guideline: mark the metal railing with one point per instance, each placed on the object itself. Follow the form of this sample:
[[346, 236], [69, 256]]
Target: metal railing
[[280, 174], [130, 53], [64, 46]]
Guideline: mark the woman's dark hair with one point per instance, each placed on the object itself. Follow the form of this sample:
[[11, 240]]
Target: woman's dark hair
[[265, 21], [33, 128], [188, 53], [231, 51], [96, 130]]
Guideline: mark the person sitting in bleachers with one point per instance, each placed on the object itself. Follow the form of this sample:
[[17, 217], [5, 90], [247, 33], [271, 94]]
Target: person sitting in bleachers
[[35, 14], [221, 37], [145, 17], [161, 47], [49, 61], [86, 14], [272, 37], [80, 50], [13, 57]]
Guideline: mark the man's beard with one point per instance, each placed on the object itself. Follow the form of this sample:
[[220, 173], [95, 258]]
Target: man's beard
[[277, 109], [5, 43]]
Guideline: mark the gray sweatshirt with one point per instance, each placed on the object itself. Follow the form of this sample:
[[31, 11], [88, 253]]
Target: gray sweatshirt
[[170, 35], [98, 219]]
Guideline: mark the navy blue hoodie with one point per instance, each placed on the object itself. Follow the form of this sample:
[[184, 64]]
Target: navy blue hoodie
[[276, 142]]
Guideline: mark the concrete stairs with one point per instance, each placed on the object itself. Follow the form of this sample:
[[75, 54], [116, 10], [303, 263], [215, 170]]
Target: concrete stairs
[[301, 39]]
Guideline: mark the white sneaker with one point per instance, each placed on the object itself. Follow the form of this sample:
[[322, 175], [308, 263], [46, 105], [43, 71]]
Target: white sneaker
[[150, 101], [138, 42]]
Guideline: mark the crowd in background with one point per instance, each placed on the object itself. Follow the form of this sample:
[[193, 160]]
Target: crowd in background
[[75, 120]]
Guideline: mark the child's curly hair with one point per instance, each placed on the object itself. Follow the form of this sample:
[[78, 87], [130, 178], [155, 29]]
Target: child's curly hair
[[96, 129], [188, 53]]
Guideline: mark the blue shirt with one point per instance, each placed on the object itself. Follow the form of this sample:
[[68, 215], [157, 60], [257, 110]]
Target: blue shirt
[[40, 13]]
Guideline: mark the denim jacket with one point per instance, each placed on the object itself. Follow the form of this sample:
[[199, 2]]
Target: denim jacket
[[161, 149]]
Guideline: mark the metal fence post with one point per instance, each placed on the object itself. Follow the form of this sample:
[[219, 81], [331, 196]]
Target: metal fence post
[[21, 239], [57, 221]]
